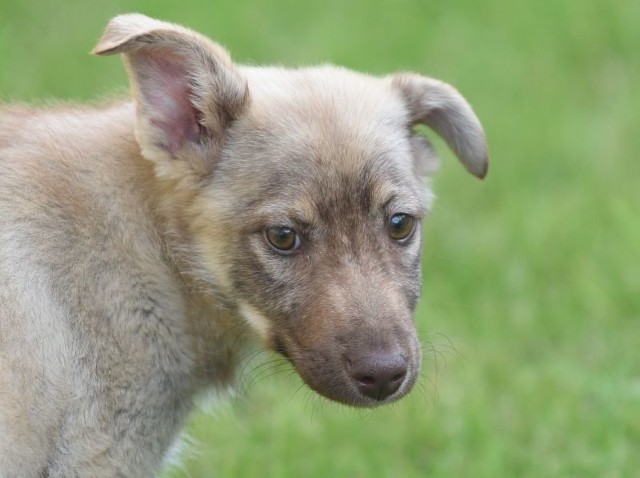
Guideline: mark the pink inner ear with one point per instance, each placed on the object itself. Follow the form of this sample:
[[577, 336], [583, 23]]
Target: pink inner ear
[[165, 90]]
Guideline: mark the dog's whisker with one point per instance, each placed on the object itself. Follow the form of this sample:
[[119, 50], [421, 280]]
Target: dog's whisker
[[264, 371]]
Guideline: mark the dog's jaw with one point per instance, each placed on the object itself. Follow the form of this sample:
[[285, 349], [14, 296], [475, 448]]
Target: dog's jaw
[[255, 319]]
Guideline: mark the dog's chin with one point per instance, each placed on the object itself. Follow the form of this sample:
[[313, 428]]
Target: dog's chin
[[330, 379], [355, 399]]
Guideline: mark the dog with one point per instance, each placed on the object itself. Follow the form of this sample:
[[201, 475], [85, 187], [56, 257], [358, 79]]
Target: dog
[[146, 244]]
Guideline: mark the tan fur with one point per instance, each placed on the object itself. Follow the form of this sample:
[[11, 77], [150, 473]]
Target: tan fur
[[134, 264]]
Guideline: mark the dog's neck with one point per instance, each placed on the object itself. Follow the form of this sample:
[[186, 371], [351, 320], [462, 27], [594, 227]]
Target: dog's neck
[[220, 335]]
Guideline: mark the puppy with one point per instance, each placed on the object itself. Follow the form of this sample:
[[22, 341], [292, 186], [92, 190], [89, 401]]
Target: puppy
[[143, 243]]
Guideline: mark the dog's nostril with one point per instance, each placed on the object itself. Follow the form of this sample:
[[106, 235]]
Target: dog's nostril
[[378, 376], [367, 380]]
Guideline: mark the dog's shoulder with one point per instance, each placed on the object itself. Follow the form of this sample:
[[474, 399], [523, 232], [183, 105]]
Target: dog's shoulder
[[73, 184]]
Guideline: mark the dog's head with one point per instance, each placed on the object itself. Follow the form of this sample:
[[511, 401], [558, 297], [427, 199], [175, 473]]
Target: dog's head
[[308, 192]]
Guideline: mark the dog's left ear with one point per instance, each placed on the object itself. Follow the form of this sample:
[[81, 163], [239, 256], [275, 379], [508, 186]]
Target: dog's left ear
[[187, 90], [440, 106]]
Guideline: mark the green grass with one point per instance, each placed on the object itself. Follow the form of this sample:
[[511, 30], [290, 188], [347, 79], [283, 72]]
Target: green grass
[[532, 279]]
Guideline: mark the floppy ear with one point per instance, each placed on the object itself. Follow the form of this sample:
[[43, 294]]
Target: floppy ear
[[186, 88], [440, 106]]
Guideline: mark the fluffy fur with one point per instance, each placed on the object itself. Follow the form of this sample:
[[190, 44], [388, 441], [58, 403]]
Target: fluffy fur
[[134, 261]]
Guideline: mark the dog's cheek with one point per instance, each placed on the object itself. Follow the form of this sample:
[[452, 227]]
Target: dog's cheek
[[406, 272], [265, 281], [283, 293], [412, 279]]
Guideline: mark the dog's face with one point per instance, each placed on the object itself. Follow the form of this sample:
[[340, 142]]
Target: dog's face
[[310, 196], [319, 191]]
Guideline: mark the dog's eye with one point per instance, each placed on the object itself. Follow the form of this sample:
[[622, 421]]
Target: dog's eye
[[401, 226], [283, 239]]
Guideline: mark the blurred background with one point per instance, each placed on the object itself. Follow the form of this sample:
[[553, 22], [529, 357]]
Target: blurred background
[[530, 316]]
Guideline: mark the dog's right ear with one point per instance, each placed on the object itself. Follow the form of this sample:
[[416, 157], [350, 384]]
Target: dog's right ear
[[186, 88]]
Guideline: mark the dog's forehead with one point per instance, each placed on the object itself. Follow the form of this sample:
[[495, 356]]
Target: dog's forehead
[[322, 127], [329, 97]]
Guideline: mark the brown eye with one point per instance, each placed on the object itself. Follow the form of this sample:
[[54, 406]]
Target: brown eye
[[283, 239], [401, 226]]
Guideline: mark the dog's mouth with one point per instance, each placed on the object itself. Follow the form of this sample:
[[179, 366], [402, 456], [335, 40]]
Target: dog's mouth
[[280, 348], [347, 361], [360, 379]]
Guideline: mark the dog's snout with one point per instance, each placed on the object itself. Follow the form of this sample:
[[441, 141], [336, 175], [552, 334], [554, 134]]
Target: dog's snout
[[378, 376]]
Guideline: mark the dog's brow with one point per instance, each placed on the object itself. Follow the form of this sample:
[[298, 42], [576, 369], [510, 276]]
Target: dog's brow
[[389, 196], [300, 212], [406, 202]]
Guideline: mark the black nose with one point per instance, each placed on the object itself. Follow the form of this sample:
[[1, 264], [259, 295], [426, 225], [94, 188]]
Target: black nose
[[379, 375]]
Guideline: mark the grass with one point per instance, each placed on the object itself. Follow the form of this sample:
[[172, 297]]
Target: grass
[[531, 292]]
